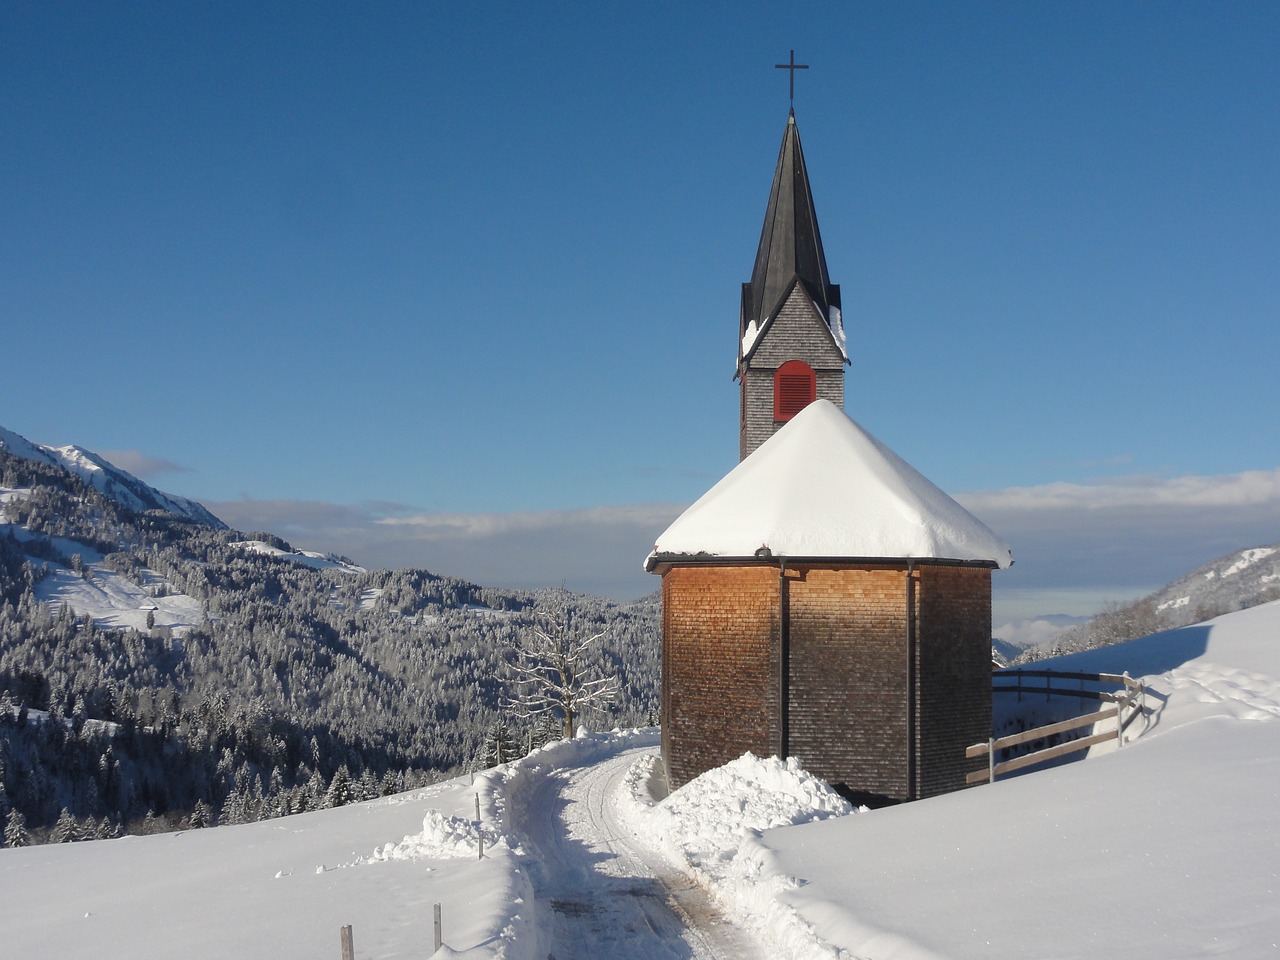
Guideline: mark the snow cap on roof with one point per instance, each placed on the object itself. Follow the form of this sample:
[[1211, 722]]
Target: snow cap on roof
[[822, 487]]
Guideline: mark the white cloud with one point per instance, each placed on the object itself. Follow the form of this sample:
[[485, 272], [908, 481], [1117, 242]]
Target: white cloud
[[1120, 538], [1076, 545], [594, 549], [1252, 488], [141, 465]]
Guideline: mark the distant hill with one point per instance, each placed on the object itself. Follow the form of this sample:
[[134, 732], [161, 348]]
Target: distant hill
[[1237, 581], [124, 488], [157, 666]]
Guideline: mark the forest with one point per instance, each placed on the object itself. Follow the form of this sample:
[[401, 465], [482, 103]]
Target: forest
[[298, 688]]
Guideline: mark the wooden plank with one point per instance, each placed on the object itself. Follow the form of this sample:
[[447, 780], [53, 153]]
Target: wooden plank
[[1054, 674], [1057, 692], [1060, 727], [977, 750], [978, 776], [1061, 750]]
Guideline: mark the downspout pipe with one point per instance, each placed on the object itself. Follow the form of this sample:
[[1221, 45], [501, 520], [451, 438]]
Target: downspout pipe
[[784, 661], [912, 704]]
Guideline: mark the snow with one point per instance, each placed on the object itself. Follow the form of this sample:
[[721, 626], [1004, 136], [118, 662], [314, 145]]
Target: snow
[[317, 561], [1167, 848], [835, 323], [17, 493], [1174, 604], [115, 601], [835, 320], [824, 487], [1248, 559], [106, 478]]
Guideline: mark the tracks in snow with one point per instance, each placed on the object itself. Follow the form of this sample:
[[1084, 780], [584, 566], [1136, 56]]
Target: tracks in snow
[[608, 894]]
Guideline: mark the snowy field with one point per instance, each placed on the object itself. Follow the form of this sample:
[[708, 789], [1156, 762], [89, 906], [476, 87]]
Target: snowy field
[[1167, 848]]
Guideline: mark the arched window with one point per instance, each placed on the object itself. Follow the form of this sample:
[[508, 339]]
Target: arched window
[[795, 386]]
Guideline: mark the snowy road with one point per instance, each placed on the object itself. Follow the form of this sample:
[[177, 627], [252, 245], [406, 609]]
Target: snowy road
[[606, 893]]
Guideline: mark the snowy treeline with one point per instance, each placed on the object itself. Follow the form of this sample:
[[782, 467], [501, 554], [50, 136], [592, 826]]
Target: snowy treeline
[[297, 688]]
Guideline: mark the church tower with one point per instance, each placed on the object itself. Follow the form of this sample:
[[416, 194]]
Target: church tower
[[791, 343]]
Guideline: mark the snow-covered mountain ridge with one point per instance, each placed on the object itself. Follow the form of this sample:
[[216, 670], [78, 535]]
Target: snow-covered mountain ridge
[[108, 479], [1236, 581], [245, 675]]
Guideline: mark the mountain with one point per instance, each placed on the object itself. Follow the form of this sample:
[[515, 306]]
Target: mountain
[[1237, 581], [106, 478], [156, 666]]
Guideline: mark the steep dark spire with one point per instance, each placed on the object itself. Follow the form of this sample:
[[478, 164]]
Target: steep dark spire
[[790, 244]]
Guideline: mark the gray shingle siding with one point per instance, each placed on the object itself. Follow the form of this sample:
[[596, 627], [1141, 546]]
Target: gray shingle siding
[[796, 333]]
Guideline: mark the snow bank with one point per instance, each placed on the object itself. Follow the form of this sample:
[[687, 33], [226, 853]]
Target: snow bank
[[442, 838], [711, 826]]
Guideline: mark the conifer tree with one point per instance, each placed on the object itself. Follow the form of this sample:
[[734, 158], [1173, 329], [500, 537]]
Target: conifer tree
[[65, 830], [340, 791], [15, 830], [499, 743]]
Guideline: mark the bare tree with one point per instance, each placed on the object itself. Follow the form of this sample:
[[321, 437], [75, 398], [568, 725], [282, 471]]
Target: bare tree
[[554, 672]]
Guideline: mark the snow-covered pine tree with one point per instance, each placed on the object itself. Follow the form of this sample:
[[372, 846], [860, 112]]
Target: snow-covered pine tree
[[15, 830], [499, 743], [66, 830], [201, 816], [340, 791]]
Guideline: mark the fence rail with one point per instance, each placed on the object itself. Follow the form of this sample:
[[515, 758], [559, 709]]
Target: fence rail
[[1127, 706]]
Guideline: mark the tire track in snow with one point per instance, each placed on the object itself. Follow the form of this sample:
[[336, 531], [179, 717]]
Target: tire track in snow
[[607, 893]]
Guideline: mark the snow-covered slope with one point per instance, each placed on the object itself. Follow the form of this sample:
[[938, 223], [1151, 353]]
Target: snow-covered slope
[[107, 478], [1238, 580], [308, 558], [1165, 849]]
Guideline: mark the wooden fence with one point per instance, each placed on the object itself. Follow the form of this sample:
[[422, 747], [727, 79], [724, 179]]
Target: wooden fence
[[1125, 707]]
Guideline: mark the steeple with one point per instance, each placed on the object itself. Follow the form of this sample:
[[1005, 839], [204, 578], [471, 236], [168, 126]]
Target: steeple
[[791, 342], [790, 243]]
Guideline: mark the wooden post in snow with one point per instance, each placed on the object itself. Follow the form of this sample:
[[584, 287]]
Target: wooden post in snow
[[439, 937], [348, 946], [479, 832]]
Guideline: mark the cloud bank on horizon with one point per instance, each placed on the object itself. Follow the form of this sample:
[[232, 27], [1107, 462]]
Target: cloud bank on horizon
[[1075, 545]]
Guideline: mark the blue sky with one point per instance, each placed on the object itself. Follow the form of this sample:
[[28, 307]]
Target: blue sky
[[458, 286]]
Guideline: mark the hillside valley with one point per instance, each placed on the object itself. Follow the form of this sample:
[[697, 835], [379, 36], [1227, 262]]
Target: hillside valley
[[158, 669]]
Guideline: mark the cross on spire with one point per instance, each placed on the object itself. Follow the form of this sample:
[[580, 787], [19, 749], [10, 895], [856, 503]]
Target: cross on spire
[[793, 67]]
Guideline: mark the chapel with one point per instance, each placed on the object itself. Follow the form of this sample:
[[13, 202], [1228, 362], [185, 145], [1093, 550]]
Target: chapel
[[823, 600]]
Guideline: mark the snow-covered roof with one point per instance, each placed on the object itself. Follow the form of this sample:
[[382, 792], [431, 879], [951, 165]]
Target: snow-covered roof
[[824, 488]]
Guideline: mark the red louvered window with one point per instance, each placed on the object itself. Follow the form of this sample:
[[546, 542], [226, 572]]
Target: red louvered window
[[794, 387]]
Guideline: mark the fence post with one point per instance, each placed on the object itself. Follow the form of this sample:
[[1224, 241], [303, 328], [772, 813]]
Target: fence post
[[1129, 700], [479, 832], [348, 947], [439, 938], [991, 760]]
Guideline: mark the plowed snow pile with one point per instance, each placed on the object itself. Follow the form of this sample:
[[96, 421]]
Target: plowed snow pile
[[442, 838], [711, 826]]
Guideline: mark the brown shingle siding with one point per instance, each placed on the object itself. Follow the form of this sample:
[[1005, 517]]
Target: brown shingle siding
[[850, 678]]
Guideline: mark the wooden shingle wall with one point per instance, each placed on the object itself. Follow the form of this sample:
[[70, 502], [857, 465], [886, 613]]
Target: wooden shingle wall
[[882, 714], [797, 333]]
